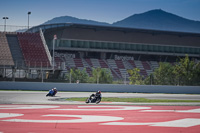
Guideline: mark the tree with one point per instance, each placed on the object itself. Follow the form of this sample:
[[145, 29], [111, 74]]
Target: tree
[[186, 72], [149, 80], [76, 74], [164, 74], [197, 74], [135, 77], [101, 75]]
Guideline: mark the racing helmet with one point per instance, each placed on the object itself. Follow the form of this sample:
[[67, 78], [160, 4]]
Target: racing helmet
[[99, 91]]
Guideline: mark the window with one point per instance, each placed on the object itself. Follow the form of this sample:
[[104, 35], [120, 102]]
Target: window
[[92, 44], [133, 47], [127, 46], [98, 45], [86, 44], [104, 45], [122, 46], [110, 45], [116, 45], [74, 43]]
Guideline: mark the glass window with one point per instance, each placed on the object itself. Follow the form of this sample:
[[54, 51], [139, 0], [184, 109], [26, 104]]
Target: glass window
[[181, 50], [192, 50], [63, 42], [138, 47], [171, 49], [75, 44], [145, 48], [122, 46], [155, 48], [92, 44], [68, 43], [197, 51], [176, 49], [57, 43], [104, 45], [150, 48], [186, 50], [80, 44], [133, 47], [127, 46], [165, 48], [116, 45], [161, 48], [86, 44], [110, 45], [98, 45]]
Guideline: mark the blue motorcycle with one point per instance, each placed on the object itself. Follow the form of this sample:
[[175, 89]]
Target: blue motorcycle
[[52, 92]]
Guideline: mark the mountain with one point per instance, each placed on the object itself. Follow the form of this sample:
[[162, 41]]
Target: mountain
[[159, 20], [69, 19], [155, 19]]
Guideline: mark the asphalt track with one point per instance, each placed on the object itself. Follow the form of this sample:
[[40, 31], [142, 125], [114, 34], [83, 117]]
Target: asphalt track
[[32, 112], [37, 97]]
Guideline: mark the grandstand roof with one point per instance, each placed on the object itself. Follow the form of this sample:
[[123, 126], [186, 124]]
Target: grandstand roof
[[112, 28]]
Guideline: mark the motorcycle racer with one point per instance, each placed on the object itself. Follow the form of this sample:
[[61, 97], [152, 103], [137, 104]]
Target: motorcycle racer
[[94, 98], [98, 95]]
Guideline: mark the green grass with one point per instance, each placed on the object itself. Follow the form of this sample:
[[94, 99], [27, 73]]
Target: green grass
[[133, 100]]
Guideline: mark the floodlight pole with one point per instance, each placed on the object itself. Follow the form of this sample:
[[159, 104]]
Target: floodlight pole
[[125, 79], [54, 39], [5, 23], [28, 18]]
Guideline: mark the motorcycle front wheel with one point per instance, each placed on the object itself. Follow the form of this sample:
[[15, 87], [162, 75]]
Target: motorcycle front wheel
[[98, 101]]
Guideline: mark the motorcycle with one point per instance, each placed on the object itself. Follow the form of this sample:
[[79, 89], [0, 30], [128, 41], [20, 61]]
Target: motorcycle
[[52, 92], [93, 99]]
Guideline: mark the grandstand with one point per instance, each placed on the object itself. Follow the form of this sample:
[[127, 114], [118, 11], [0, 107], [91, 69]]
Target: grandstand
[[88, 46], [5, 53], [22, 53]]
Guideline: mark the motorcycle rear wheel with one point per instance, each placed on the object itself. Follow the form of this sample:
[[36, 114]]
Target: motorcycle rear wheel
[[98, 101], [87, 100]]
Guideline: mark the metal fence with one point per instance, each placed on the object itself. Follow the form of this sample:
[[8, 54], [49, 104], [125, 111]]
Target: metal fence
[[13, 28]]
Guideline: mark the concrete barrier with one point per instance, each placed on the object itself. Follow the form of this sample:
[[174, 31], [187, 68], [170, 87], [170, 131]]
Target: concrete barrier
[[103, 87]]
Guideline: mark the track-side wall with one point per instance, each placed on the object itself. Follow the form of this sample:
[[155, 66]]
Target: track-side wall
[[103, 87]]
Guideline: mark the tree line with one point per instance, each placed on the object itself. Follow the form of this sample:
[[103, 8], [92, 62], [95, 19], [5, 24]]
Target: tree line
[[99, 75], [183, 72]]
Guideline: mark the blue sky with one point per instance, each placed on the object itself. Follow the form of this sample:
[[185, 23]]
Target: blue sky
[[100, 10]]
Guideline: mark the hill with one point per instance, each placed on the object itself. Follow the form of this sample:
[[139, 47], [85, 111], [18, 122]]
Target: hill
[[159, 20], [154, 19], [69, 19]]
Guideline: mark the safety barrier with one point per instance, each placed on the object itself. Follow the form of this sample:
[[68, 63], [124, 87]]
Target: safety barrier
[[39, 86]]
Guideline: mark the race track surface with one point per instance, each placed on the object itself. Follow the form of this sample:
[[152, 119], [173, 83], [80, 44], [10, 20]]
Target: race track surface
[[98, 119], [33, 112], [36, 97]]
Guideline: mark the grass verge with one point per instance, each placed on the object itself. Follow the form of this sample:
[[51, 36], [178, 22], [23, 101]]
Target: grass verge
[[134, 100]]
